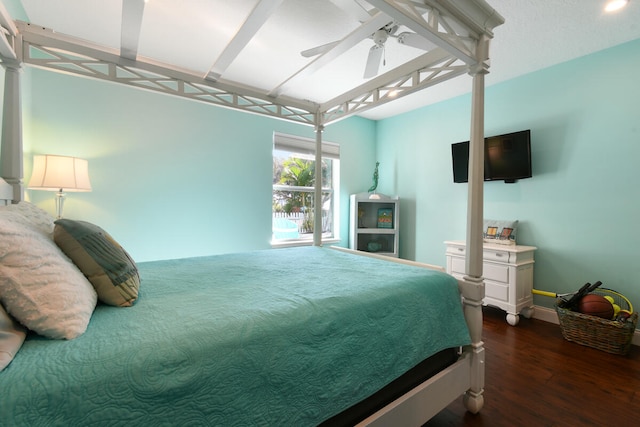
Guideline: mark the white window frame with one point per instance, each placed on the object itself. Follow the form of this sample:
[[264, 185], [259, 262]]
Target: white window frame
[[307, 147]]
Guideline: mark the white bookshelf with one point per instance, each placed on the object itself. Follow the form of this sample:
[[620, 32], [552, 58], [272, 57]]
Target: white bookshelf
[[369, 229]]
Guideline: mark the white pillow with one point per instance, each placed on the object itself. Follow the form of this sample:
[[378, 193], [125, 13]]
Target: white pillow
[[35, 216], [12, 336], [39, 286]]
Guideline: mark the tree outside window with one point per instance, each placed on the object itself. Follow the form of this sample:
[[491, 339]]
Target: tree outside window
[[293, 191]]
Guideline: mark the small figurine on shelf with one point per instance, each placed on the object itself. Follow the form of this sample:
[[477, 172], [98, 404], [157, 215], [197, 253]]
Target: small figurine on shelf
[[372, 190]]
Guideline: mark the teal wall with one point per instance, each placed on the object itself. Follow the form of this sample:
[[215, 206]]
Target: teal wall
[[171, 177], [582, 206]]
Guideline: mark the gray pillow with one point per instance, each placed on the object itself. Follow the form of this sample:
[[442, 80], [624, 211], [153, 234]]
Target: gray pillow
[[109, 268]]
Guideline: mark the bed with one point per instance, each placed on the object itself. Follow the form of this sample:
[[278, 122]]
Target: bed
[[231, 340], [154, 357], [228, 339]]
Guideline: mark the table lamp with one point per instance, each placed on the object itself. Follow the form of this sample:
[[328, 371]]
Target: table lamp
[[59, 173]]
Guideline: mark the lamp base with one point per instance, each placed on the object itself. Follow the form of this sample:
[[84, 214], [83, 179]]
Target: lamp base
[[59, 203]]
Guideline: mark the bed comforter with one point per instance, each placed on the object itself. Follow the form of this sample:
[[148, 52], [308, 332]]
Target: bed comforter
[[275, 337]]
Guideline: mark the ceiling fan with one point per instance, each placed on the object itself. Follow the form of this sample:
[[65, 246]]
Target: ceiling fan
[[376, 52]]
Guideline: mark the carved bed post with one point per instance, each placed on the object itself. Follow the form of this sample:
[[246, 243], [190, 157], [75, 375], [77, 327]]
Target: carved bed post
[[11, 152], [473, 398]]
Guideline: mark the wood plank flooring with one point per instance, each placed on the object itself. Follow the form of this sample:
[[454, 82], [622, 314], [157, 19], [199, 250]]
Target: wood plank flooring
[[534, 377]]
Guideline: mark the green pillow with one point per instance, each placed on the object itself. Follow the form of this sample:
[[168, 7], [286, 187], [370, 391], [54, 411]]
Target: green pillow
[[109, 268]]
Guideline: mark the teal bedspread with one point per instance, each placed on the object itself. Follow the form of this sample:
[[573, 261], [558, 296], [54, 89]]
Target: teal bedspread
[[276, 337]]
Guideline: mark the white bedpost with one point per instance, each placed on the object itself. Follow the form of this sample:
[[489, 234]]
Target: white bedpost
[[11, 152], [474, 399], [317, 201]]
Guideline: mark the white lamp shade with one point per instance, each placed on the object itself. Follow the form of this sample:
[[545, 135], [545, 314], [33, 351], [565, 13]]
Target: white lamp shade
[[55, 173]]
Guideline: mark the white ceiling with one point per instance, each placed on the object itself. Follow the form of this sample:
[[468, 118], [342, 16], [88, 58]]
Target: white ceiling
[[193, 33]]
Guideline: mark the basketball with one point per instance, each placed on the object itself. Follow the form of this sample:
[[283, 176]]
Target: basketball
[[595, 305]]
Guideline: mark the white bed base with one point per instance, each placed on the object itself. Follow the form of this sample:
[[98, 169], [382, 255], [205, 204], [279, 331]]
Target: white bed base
[[465, 377]]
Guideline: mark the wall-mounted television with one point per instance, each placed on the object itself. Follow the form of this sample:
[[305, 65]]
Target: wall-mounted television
[[506, 158]]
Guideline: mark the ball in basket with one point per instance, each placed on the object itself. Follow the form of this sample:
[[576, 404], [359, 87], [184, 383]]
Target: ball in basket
[[595, 305]]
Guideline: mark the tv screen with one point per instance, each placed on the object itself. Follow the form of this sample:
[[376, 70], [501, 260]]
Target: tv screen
[[506, 158]]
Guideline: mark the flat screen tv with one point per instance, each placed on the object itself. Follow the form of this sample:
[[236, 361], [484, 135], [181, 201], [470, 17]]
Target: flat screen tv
[[506, 158]]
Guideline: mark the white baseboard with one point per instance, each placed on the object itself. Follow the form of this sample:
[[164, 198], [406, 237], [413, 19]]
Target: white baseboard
[[550, 315]]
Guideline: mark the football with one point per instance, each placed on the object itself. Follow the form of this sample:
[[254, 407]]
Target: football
[[595, 305]]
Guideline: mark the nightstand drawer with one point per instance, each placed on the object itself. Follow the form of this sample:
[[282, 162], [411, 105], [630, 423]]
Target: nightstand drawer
[[497, 291], [457, 265], [495, 272], [495, 255], [490, 271], [457, 251]]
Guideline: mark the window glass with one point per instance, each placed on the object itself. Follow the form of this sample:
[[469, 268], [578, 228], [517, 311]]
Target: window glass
[[293, 188]]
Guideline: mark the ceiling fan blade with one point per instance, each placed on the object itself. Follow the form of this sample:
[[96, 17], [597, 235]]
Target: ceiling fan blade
[[415, 40], [373, 61], [318, 49]]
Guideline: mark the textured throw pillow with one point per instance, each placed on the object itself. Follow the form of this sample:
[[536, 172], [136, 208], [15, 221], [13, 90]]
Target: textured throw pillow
[[12, 336], [39, 286], [500, 232], [35, 216], [103, 261]]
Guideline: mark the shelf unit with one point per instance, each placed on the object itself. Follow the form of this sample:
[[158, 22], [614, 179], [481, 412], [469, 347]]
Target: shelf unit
[[370, 230]]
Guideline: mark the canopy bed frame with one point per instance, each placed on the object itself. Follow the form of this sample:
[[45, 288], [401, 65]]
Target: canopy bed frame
[[461, 30]]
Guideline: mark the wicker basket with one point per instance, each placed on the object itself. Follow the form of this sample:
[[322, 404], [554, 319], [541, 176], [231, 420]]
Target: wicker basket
[[611, 336]]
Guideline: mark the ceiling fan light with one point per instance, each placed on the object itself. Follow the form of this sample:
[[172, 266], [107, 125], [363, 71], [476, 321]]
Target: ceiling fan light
[[380, 37], [614, 5]]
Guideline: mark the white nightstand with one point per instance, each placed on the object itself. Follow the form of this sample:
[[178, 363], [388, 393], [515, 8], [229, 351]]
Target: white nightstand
[[507, 272]]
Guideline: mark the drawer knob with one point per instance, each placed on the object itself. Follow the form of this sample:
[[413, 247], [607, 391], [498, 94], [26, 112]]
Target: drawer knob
[[460, 250]]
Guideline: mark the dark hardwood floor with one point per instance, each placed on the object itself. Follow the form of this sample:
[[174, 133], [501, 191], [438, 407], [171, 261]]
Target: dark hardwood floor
[[534, 377]]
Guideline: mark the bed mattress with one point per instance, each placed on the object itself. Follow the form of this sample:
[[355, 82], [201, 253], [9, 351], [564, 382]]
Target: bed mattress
[[277, 337]]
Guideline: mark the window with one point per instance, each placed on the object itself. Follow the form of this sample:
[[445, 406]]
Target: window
[[293, 189]]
